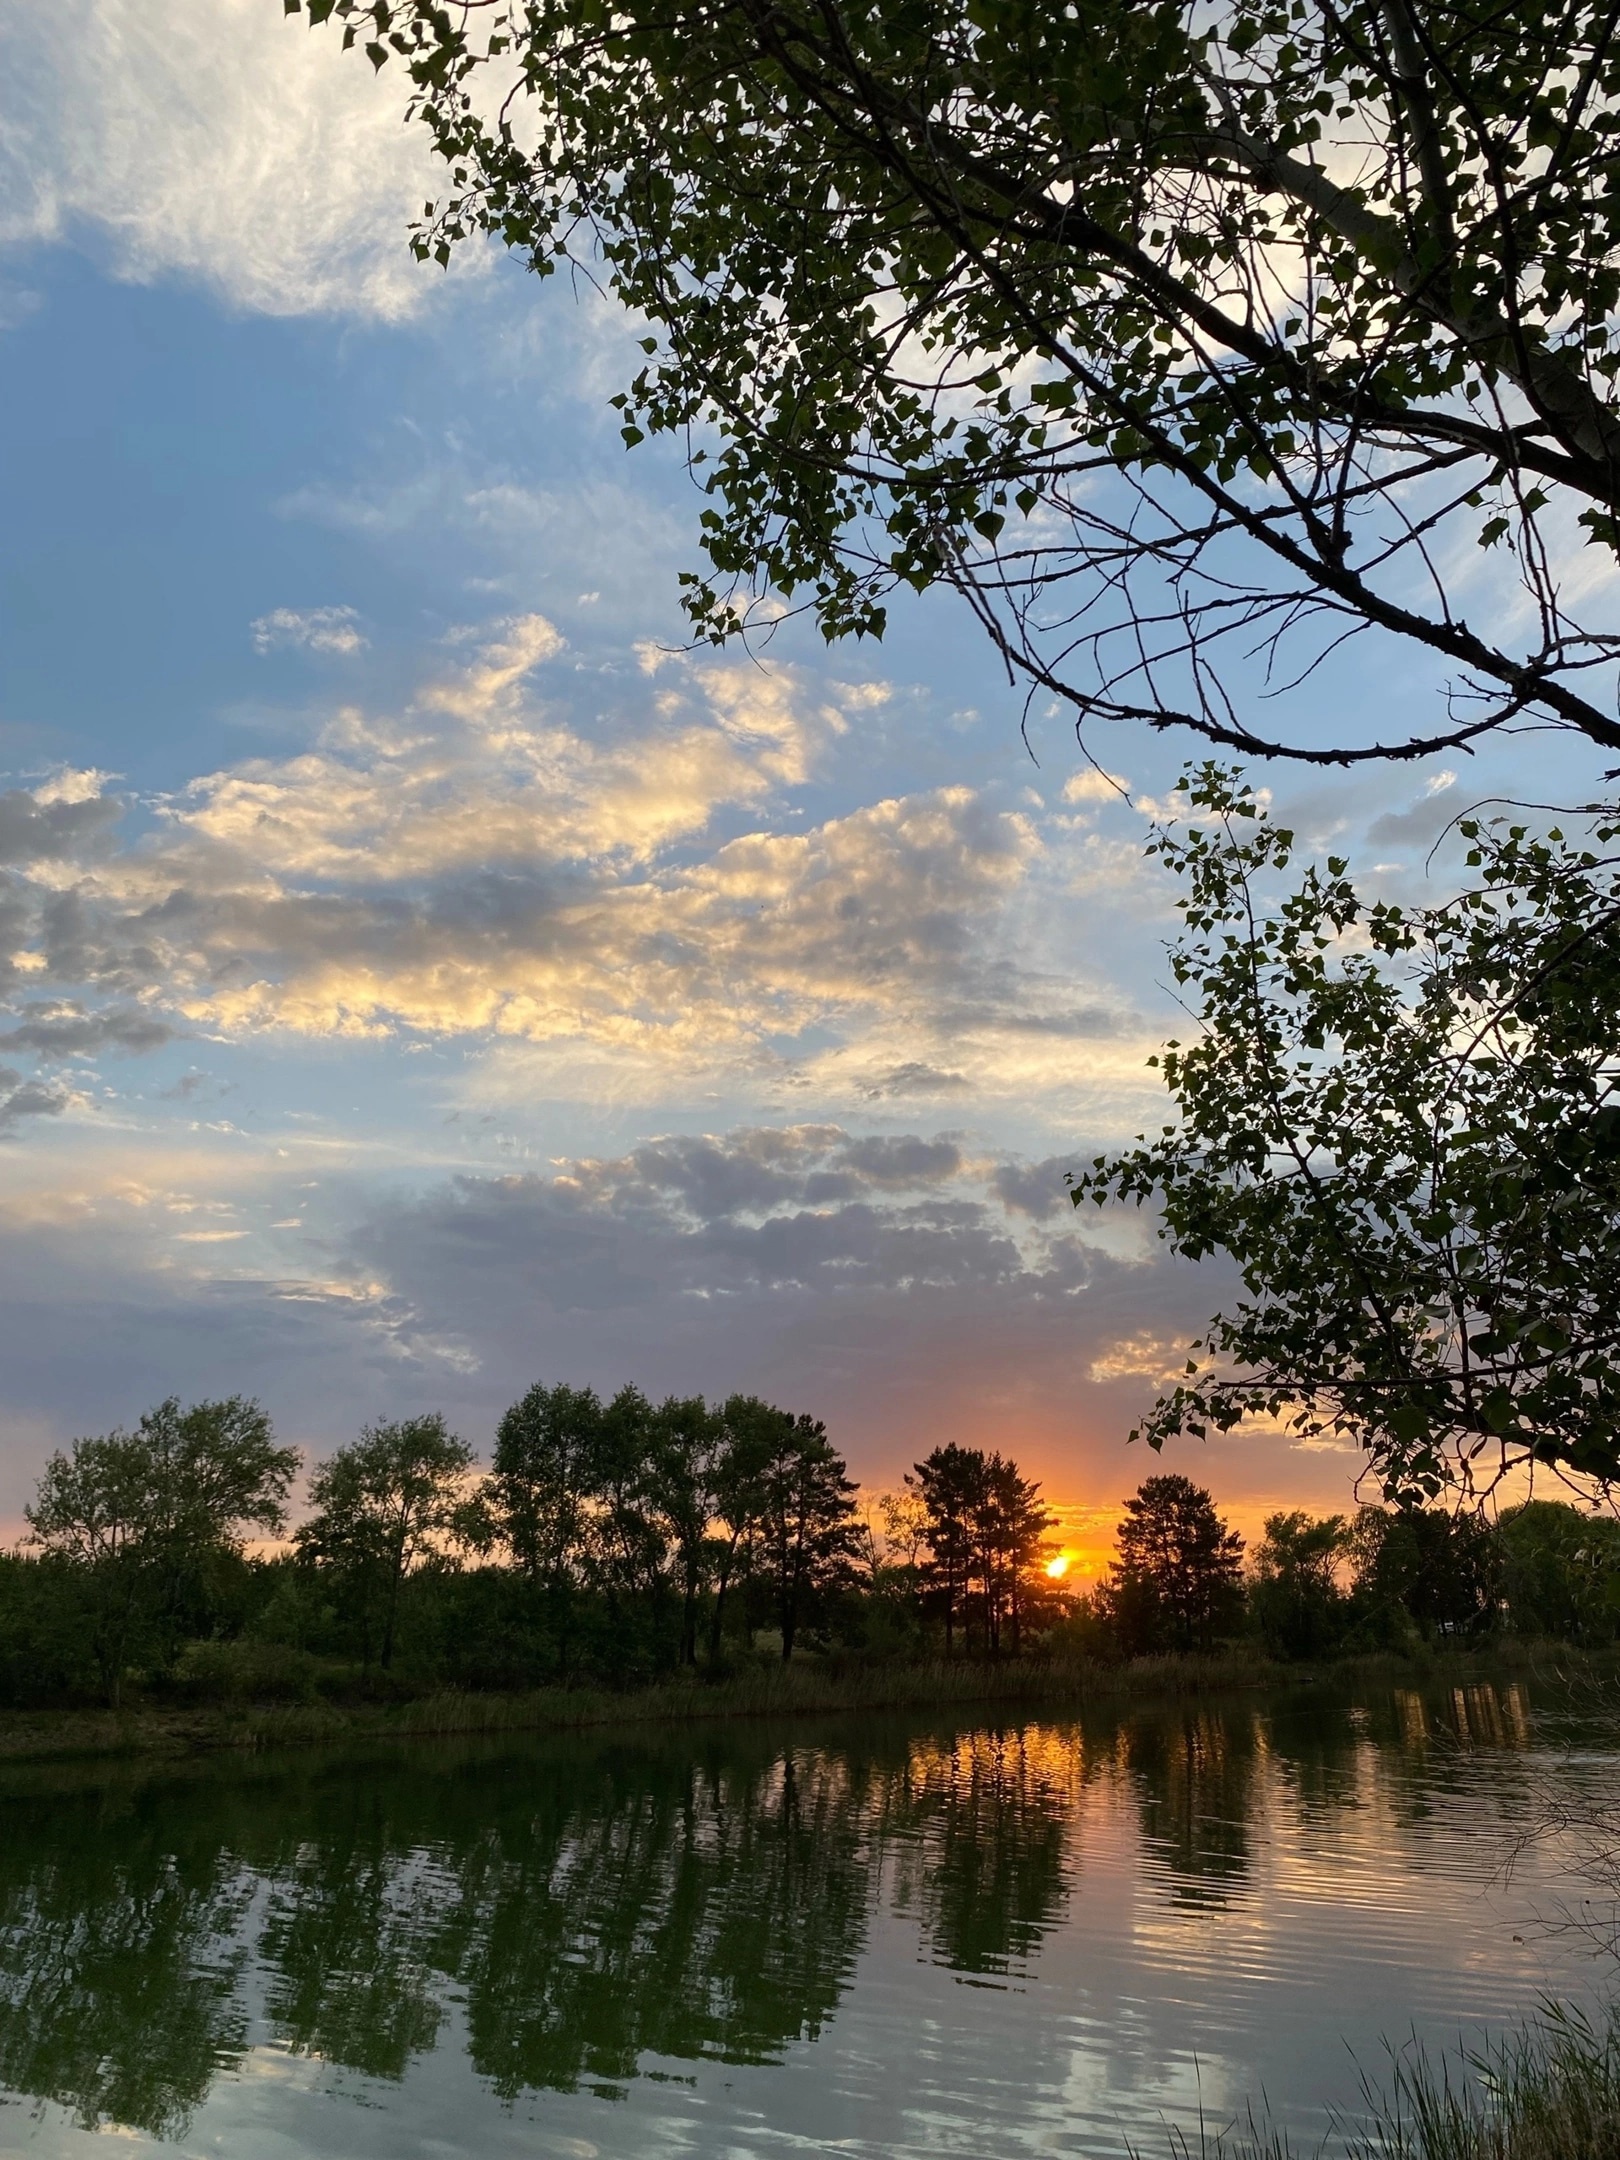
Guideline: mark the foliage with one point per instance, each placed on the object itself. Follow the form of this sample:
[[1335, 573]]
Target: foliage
[[686, 1437], [1177, 1583], [802, 1507], [919, 278], [1401, 1124], [383, 1506], [983, 1524], [704, 1542], [147, 1515], [1561, 1571], [1294, 1595], [1425, 1569]]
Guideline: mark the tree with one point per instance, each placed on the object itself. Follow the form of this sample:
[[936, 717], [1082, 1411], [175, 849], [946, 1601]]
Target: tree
[[1440, 1569], [627, 1542], [950, 1485], [1402, 1125], [983, 1523], [146, 1513], [1160, 333], [384, 1505], [749, 1435], [686, 1438], [539, 1492], [804, 1513], [1011, 1543], [1177, 1581], [1294, 1594], [1561, 1570]]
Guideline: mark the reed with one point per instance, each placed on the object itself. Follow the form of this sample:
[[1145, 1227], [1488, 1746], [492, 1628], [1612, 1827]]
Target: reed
[[811, 1687], [1548, 2091]]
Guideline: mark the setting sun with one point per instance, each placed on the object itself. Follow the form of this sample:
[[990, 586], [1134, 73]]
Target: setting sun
[[1058, 1566]]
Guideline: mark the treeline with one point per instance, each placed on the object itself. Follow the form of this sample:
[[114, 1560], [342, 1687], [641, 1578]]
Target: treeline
[[612, 1542], [618, 1543], [1383, 1579]]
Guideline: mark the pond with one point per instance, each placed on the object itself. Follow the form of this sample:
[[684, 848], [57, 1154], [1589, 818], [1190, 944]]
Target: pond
[[1037, 1937]]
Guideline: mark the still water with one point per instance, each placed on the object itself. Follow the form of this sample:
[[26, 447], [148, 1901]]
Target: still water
[[871, 1939]]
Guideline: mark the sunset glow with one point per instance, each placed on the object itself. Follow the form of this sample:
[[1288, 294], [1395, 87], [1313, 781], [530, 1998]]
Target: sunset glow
[[1058, 1566]]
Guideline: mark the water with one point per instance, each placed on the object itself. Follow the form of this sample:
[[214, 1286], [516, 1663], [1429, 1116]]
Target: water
[[870, 1939]]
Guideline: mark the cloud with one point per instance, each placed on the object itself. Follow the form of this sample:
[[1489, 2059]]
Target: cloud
[[1422, 821], [67, 1030], [1034, 1189], [884, 1286], [326, 629], [21, 1098], [877, 1280], [47, 824], [914, 1079], [540, 855], [1092, 785], [212, 139]]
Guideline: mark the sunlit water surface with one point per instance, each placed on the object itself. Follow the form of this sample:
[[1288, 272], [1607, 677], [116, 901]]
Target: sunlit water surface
[[869, 1939]]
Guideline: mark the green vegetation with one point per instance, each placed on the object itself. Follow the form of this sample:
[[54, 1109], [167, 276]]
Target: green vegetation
[[1402, 1125], [1550, 2091], [971, 293], [625, 1560]]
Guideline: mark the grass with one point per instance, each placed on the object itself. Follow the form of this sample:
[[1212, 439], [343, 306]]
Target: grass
[[810, 1688], [1550, 2091]]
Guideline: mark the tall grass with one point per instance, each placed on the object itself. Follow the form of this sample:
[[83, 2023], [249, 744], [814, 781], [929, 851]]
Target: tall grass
[[1550, 2091], [813, 1687]]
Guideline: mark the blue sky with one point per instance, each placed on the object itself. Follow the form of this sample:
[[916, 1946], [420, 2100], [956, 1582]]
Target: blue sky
[[425, 975]]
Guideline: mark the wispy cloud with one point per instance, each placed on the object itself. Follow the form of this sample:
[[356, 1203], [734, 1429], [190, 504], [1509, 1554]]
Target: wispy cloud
[[323, 630], [212, 139]]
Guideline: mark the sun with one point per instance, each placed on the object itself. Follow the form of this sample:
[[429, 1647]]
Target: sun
[[1058, 1566]]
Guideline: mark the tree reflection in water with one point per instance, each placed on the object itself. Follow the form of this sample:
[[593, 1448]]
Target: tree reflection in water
[[983, 1828], [121, 1960], [1193, 1775], [575, 1908]]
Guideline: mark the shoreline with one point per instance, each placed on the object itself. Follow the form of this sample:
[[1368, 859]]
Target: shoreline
[[178, 1731]]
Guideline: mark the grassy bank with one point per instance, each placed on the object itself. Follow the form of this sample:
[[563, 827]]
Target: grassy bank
[[158, 1729]]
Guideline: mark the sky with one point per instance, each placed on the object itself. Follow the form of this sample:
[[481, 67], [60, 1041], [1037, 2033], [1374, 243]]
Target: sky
[[419, 973]]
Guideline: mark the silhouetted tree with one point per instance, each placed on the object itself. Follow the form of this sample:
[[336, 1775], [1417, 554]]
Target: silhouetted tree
[[539, 1493], [950, 1483], [1426, 1569], [685, 1444], [382, 1506], [1160, 333], [1013, 1525], [1294, 1593], [749, 1434], [805, 1516], [146, 1513], [982, 1523], [1177, 1583]]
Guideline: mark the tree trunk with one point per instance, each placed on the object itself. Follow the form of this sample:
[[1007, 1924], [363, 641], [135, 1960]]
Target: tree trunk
[[392, 1611], [689, 1619]]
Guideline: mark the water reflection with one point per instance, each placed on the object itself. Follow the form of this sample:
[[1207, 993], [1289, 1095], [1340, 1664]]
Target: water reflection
[[564, 1914], [122, 1954], [1194, 1778]]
